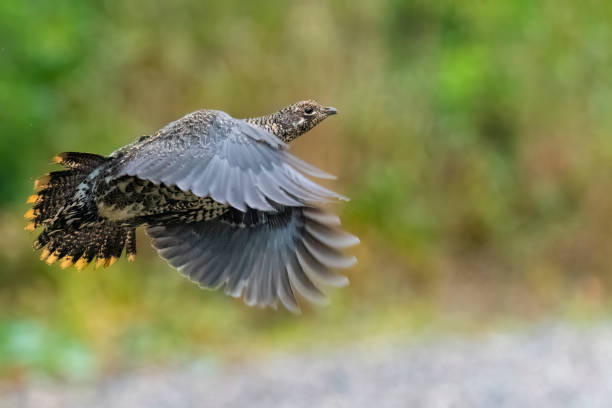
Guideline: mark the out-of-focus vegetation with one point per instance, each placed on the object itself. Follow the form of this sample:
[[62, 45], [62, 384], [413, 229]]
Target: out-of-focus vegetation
[[474, 139]]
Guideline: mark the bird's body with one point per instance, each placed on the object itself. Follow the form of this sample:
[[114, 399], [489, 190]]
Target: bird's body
[[222, 199]]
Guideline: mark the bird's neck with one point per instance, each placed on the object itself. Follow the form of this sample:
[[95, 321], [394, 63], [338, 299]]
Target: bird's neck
[[274, 124]]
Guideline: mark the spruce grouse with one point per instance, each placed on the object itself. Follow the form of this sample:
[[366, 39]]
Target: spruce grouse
[[221, 199]]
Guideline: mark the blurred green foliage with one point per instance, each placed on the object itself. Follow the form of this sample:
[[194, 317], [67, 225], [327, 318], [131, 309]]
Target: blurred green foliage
[[474, 139]]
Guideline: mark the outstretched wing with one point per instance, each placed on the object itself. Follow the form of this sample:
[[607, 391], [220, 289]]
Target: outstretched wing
[[214, 155], [264, 257]]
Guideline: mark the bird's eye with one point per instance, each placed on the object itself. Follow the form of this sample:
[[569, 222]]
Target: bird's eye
[[308, 110]]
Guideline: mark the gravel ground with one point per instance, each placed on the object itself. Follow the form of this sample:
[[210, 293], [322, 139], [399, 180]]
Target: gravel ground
[[551, 366]]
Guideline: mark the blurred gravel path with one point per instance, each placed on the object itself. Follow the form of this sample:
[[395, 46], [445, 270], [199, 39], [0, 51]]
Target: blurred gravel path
[[552, 366]]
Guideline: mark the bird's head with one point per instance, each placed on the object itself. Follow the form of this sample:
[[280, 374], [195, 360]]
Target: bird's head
[[298, 118]]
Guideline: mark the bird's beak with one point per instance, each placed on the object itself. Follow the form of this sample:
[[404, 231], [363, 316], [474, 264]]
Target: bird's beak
[[331, 110]]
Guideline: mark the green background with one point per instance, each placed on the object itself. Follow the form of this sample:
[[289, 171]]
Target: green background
[[473, 138]]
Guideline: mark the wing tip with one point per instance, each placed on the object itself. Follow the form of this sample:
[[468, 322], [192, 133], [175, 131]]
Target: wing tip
[[340, 281]]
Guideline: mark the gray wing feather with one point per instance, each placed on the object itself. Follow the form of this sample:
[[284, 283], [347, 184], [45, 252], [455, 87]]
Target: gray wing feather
[[309, 169], [274, 259], [226, 159]]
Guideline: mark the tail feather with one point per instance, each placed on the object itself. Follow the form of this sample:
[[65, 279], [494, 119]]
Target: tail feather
[[54, 191], [104, 241], [130, 244], [74, 245], [56, 188], [79, 161]]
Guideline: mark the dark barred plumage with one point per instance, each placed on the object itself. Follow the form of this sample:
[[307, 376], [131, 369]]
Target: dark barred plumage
[[221, 198]]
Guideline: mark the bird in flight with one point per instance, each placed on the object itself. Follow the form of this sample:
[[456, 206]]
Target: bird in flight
[[222, 200]]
